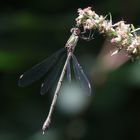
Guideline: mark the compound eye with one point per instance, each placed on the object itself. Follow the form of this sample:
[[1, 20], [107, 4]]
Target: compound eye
[[75, 31]]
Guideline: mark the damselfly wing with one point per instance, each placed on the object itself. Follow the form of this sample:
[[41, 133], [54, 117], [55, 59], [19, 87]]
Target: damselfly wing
[[69, 72], [39, 70], [80, 75], [53, 76]]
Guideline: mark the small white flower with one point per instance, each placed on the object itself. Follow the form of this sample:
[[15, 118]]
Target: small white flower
[[119, 33]]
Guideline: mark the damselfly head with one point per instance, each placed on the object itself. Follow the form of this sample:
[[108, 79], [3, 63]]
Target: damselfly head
[[75, 31]]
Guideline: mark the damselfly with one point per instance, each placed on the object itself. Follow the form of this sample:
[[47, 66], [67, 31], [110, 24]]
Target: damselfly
[[53, 65]]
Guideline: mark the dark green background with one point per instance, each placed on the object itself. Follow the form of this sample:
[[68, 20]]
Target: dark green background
[[32, 30]]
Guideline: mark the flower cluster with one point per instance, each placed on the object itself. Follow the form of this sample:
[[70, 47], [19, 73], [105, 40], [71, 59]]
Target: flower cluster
[[121, 34]]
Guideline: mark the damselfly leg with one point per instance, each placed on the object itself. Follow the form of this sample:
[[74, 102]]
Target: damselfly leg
[[87, 34]]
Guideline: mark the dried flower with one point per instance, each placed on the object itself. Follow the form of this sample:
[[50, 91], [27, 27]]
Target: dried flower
[[121, 34]]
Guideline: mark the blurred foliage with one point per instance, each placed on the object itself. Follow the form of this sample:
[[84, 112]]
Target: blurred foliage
[[30, 31]]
